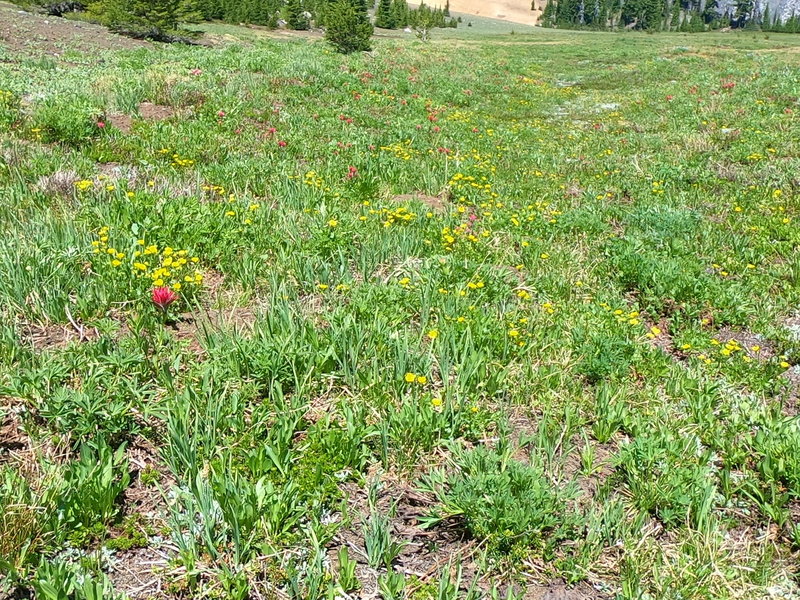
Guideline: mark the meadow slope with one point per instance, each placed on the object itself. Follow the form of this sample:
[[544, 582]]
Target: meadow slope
[[490, 317]]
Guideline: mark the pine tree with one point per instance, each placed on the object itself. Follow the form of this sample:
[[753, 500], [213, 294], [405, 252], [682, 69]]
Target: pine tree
[[400, 13], [347, 27], [146, 18], [447, 9], [549, 14], [295, 16], [384, 17]]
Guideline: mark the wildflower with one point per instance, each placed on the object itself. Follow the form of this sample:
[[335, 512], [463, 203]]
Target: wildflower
[[436, 402], [513, 333], [163, 297], [333, 223], [422, 380], [784, 364], [433, 334], [410, 377]]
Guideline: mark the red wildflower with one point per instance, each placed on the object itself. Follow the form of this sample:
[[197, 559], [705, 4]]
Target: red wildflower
[[163, 297], [282, 143]]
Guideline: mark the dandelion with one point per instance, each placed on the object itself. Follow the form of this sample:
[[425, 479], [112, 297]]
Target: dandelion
[[784, 364], [422, 380], [410, 377], [433, 334], [333, 223]]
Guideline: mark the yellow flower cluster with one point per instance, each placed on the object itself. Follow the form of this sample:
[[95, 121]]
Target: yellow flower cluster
[[84, 185], [398, 215], [177, 159], [450, 237], [414, 378], [312, 179], [401, 150], [163, 267]]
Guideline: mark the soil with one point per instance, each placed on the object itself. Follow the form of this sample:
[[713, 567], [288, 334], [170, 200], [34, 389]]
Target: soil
[[52, 336], [425, 553], [147, 112], [436, 203], [29, 34], [559, 591], [515, 11]]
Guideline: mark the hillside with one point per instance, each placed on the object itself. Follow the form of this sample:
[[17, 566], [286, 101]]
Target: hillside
[[516, 11]]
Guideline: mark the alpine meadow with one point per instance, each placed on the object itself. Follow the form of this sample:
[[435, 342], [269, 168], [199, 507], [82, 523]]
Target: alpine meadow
[[461, 309]]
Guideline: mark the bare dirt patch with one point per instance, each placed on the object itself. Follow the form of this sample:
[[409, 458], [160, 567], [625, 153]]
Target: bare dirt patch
[[139, 573], [560, 591], [426, 552], [29, 34], [436, 203], [155, 112], [53, 336], [12, 435], [147, 111]]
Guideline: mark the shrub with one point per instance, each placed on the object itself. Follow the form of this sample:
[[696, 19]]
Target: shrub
[[348, 29], [507, 502]]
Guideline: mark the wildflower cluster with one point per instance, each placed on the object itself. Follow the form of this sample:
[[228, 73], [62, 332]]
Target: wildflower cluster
[[147, 263]]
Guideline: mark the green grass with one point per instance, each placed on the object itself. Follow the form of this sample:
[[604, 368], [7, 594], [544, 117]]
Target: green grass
[[454, 319]]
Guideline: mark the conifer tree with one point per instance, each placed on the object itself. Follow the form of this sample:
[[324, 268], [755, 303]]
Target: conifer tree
[[347, 26], [384, 17], [295, 16]]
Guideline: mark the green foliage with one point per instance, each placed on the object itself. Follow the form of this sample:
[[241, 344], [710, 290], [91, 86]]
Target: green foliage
[[144, 18], [347, 28], [561, 292], [510, 504], [295, 15], [670, 476], [384, 15]]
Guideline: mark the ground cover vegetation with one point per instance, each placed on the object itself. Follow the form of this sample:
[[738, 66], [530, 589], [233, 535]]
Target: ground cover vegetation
[[166, 20], [487, 317]]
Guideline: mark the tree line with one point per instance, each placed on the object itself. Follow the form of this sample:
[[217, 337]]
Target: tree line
[[663, 15], [162, 19]]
